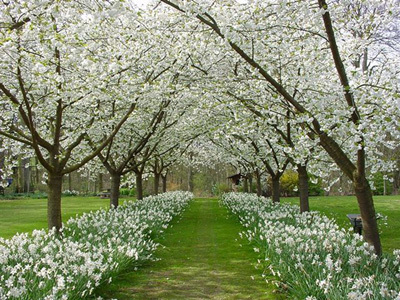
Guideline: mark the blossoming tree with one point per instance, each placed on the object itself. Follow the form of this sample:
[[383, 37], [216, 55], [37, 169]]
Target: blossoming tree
[[59, 78], [302, 54]]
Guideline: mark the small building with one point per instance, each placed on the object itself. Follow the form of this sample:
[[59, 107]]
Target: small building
[[235, 180]]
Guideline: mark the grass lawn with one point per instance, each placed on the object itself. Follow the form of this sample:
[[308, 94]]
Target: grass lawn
[[26, 214], [203, 259], [339, 206]]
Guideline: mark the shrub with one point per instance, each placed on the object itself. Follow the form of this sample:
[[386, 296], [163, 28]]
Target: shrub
[[68, 193], [380, 185], [221, 188], [127, 192], [289, 182]]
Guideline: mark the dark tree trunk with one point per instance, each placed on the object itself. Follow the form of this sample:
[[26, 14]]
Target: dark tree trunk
[[164, 183], [361, 186], [367, 210], [303, 188], [396, 182], [245, 185], [258, 182], [26, 175], [190, 179], [100, 180], [54, 185], [38, 180], [114, 195], [250, 183], [139, 186], [18, 177], [276, 189], [156, 182]]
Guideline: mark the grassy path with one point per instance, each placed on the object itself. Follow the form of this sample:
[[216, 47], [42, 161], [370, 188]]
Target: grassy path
[[202, 259]]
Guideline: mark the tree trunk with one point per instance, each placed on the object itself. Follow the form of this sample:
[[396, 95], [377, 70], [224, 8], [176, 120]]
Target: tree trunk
[[164, 183], [190, 179], [361, 186], [18, 177], [100, 180], [139, 186], [54, 185], [70, 181], [303, 188], [26, 175], [245, 185], [258, 182], [396, 182], [156, 182], [276, 189], [367, 210], [88, 182], [250, 183], [38, 180], [114, 195]]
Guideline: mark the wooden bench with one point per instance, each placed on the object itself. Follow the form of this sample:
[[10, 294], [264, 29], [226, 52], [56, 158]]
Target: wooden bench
[[105, 194]]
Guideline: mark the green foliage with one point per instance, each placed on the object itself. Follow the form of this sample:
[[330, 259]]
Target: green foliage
[[127, 192], [380, 184], [219, 189], [289, 183], [315, 189], [14, 196], [124, 192], [203, 184]]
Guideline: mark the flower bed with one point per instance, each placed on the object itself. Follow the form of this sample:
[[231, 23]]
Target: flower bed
[[91, 249], [312, 257]]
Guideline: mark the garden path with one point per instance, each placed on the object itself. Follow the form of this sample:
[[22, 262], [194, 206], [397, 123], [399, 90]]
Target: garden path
[[202, 259]]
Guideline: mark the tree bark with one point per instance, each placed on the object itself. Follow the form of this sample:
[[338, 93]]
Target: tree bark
[[54, 185], [246, 185], [396, 182], [303, 188], [139, 186], [367, 210], [26, 175], [100, 180], [114, 195], [250, 183], [190, 179], [18, 181], [258, 182], [276, 189], [164, 183], [156, 182]]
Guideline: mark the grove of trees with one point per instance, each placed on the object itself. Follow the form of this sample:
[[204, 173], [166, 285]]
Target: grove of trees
[[262, 86]]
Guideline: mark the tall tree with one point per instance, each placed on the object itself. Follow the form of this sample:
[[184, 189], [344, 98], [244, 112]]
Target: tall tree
[[56, 66]]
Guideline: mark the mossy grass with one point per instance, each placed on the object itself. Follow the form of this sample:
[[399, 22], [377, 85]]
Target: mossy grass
[[202, 257], [338, 207]]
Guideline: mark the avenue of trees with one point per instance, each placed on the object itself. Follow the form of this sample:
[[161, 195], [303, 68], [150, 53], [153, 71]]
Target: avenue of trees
[[264, 86]]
